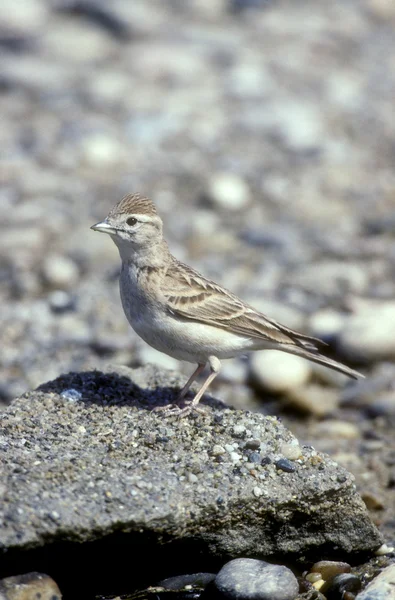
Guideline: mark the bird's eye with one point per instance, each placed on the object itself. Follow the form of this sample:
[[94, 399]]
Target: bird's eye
[[131, 221]]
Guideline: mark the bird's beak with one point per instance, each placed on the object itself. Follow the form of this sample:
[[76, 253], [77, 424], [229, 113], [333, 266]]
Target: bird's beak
[[104, 227]]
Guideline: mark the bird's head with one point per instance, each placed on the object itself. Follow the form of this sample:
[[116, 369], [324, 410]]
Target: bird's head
[[132, 222]]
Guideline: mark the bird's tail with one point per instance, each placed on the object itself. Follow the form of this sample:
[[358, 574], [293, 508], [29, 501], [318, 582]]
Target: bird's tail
[[321, 360]]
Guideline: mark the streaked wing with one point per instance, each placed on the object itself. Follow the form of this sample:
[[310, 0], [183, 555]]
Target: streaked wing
[[191, 296]]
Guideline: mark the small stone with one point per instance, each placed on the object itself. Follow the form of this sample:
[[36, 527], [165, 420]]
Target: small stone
[[384, 549], [338, 429], [382, 406], [372, 501], [71, 395], [229, 191], [60, 272], [285, 465], [318, 583], [291, 451], [313, 577], [329, 568], [369, 335], [314, 399], [235, 457], [218, 450], [278, 372], [61, 301], [249, 579], [29, 586], [335, 588], [326, 324], [239, 430], [257, 491], [253, 444], [254, 457], [25, 17], [100, 150]]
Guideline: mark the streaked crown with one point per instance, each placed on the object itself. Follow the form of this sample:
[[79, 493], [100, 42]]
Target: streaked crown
[[134, 204]]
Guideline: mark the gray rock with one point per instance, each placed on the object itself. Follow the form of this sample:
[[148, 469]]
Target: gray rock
[[382, 587], [84, 469], [249, 579], [29, 586]]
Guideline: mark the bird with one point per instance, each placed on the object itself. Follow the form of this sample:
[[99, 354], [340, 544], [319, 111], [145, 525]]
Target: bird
[[183, 314]]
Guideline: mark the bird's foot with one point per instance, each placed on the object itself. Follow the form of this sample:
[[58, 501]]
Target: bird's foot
[[174, 410]]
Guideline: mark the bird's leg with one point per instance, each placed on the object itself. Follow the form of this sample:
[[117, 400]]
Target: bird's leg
[[215, 367], [190, 381]]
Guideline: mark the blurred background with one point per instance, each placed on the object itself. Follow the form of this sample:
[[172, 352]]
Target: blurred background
[[265, 133]]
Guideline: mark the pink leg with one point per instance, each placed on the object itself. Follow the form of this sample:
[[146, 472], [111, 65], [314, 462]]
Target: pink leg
[[215, 366], [190, 381]]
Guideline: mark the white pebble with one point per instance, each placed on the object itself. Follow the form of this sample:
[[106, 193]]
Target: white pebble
[[370, 333], [60, 271], [235, 457], [278, 372], [291, 451], [384, 549], [229, 191]]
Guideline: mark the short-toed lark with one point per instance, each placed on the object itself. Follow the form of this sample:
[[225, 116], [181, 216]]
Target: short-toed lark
[[180, 312]]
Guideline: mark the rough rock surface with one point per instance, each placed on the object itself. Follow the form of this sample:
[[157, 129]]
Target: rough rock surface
[[84, 457], [382, 587]]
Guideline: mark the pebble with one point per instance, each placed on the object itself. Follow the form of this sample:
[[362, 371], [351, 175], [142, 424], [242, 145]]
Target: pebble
[[313, 577], [218, 450], [60, 272], [239, 431], [100, 150], [25, 17], [382, 406], [336, 588], [369, 335], [314, 400], [372, 500], [60, 301], [249, 579], [326, 324], [285, 465], [384, 549], [278, 372], [228, 191], [71, 395], [291, 451], [29, 586], [329, 568], [336, 429]]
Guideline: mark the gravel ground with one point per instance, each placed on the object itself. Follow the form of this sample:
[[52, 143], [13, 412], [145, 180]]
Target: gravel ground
[[264, 132]]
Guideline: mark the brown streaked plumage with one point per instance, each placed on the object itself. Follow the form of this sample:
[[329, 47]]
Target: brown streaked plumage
[[134, 204], [178, 311]]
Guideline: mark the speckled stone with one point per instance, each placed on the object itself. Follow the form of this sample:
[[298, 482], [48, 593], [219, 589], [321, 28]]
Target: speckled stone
[[90, 454], [249, 579]]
